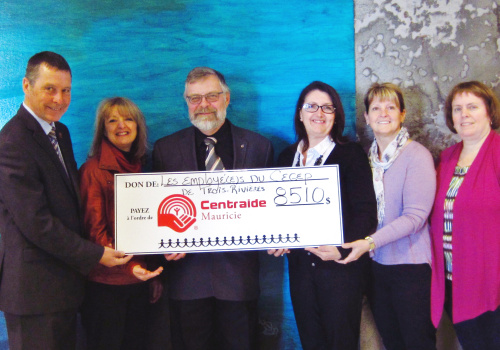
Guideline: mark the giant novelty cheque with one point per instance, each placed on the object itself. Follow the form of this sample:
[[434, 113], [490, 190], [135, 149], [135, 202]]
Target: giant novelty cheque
[[228, 210]]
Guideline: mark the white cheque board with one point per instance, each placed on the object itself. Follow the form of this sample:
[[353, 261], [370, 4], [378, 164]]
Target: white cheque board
[[228, 210]]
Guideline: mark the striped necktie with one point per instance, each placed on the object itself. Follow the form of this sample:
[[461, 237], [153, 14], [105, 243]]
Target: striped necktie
[[55, 145], [212, 161]]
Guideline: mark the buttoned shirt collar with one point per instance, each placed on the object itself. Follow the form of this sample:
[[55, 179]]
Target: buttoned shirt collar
[[324, 148], [45, 126]]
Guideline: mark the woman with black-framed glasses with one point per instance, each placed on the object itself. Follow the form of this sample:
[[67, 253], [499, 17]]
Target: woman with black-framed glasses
[[327, 295]]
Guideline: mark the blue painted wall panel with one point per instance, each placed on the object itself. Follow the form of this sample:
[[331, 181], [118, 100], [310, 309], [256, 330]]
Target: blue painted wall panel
[[268, 52]]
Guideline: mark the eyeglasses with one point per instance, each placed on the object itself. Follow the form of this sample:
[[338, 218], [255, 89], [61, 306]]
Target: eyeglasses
[[211, 97], [311, 108]]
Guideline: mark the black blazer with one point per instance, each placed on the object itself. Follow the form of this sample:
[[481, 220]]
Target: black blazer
[[43, 257], [227, 276], [359, 206]]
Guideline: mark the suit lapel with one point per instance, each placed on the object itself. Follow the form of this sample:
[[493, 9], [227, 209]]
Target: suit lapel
[[43, 141], [240, 146], [68, 156], [188, 150]]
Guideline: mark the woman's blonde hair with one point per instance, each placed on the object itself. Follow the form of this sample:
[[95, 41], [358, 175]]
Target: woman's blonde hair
[[385, 92], [125, 107]]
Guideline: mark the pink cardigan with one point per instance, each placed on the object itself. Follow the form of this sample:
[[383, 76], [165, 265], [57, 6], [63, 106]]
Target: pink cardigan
[[476, 234]]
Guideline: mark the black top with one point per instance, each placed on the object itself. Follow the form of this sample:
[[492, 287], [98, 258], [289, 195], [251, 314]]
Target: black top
[[359, 206], [223, 147]]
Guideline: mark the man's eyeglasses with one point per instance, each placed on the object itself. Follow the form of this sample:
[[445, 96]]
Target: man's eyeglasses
[[211, 97], [311, 108]]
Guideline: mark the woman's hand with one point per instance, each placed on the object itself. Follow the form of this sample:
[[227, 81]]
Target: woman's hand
[[174, 256], [359, 247], [143, 274], [326, 252], [278, 252]]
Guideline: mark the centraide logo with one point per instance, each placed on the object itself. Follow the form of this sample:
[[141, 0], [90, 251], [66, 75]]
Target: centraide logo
[[177, 212]]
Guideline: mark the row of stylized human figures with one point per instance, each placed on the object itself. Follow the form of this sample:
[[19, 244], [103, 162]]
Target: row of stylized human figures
[[228, 241]]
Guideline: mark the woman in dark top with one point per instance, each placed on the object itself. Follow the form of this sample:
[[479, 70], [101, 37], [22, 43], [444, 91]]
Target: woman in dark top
[[327, 295]]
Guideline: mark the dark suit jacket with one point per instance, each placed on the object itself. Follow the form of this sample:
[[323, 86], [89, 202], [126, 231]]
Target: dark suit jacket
[[43, 257], [227, 276], [359, 206]]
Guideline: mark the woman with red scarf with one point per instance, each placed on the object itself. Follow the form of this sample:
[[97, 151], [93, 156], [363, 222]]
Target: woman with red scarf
[[114, 312]]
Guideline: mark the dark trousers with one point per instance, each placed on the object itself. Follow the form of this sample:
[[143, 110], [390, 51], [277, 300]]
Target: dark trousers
[[115, 317], [54, 331], [210, 323], [481, 333], [399, 296], [327, 302]]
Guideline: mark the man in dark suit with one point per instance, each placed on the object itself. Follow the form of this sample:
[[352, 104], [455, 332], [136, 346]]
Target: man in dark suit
[[213, 295], [43, 257]]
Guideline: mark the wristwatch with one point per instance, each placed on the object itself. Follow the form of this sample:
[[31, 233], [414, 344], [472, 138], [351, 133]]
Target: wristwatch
[[372, 243]]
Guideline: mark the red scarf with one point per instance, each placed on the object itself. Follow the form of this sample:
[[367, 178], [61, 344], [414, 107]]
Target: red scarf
[[125, 165]]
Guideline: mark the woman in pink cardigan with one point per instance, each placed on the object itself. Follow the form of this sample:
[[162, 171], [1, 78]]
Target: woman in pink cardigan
[[465, 222]]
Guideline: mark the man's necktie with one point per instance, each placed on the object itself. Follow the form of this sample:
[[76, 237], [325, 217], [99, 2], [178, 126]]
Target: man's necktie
[[55, 144], [212, 161]]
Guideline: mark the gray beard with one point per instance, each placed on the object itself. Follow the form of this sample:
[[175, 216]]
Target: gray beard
[[207, 125]]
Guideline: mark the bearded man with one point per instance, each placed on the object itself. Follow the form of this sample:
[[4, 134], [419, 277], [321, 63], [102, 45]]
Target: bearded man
[[213, 296]]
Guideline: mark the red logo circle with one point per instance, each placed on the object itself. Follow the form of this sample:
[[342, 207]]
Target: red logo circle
[[177, 212]]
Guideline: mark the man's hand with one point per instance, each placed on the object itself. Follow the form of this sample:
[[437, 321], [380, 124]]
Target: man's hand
[[112, 257], [174, 256], [278, 252]]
